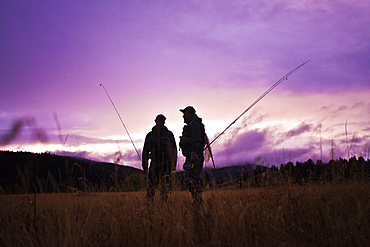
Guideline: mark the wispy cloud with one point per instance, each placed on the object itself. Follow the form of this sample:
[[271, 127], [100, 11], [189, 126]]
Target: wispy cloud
[[302, 128]]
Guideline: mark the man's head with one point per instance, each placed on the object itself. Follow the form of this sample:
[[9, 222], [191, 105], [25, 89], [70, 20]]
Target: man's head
[[160, 120], [188, 112]]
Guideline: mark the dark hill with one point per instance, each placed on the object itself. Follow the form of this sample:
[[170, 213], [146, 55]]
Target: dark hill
[[52, 173]]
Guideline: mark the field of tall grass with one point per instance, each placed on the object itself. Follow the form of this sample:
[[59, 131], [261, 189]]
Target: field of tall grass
[[326, 214]]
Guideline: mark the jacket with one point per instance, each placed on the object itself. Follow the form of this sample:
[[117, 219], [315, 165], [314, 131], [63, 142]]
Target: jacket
[[193, 136], [160, 147]]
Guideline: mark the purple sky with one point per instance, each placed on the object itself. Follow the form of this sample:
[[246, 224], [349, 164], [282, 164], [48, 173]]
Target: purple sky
[[159, 56]]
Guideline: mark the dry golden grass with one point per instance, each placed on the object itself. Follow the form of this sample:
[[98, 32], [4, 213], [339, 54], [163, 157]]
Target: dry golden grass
[[313, 215]]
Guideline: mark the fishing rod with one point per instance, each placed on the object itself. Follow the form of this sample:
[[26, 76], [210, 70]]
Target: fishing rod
[[285, 77], [124, 126]]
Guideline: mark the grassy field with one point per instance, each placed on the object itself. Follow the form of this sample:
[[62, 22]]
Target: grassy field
[[310, 215]]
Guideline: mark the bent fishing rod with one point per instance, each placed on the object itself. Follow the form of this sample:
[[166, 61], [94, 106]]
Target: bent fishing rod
[[124, 126], [285, 77]]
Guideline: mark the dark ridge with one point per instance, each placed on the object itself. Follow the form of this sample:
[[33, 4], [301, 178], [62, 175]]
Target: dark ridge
[[32, 170]]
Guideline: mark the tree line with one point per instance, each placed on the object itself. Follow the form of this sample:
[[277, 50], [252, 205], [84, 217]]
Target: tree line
[[339, 170]]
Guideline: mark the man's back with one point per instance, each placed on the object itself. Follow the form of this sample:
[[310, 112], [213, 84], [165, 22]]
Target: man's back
[[159, 142]]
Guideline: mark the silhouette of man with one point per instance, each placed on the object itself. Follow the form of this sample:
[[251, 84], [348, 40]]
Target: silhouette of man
[[192, 144], [160, 148]]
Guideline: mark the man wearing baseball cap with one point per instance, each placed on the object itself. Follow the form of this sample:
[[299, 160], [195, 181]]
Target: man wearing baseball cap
[[192, 142]]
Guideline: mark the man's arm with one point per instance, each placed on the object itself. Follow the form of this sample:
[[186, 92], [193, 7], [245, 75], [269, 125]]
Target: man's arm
[[173, 151], [145, 155]]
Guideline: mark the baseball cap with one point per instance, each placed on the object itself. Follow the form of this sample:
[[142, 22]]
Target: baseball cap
[[189, 109]]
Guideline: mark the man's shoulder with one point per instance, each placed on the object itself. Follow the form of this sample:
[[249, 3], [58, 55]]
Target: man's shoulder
[[169, 132], [154, 133], [150, 133], [196, 121]]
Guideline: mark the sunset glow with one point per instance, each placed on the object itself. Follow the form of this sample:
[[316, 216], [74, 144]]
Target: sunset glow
[[157, 57]]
